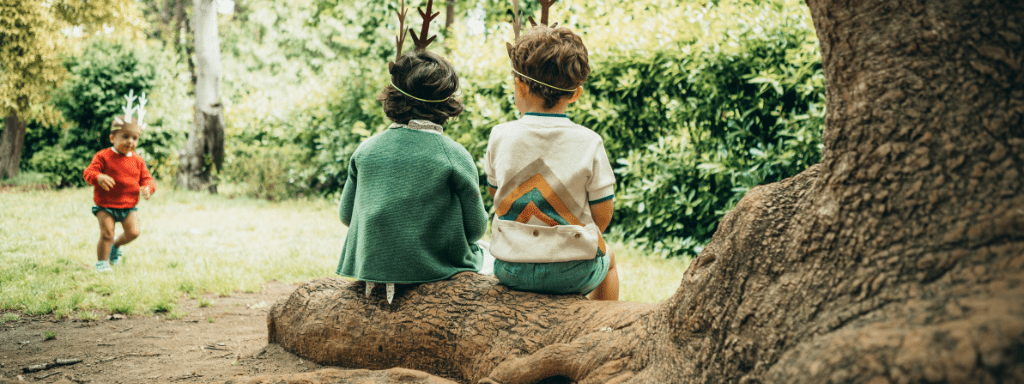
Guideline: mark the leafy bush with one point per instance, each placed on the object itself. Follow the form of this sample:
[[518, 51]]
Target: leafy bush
[[65, 167], [266, 172], [744, 118]]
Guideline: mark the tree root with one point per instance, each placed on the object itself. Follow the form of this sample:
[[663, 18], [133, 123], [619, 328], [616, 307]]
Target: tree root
[[592, 359], [356, 376]]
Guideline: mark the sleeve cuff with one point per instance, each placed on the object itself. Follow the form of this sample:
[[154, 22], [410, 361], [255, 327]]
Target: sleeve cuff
[[601, 200]]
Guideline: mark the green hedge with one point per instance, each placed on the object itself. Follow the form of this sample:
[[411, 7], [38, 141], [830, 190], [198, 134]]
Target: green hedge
[[721, 122]]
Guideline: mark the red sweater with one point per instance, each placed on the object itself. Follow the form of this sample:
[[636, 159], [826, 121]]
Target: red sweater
[[129, 173]]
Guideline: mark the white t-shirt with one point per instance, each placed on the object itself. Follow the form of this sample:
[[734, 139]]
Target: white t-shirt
[[548, 171]]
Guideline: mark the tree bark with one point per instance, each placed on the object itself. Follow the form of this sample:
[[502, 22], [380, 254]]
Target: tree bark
[[12, 141], [204, 149], [898, 259]]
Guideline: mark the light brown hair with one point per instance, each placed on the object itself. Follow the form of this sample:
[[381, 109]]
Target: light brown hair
[[130, 125], [555, 56]]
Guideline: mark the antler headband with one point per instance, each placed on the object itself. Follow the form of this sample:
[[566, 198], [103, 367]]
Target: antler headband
[[421, 41], [129, 108], [517, 25]]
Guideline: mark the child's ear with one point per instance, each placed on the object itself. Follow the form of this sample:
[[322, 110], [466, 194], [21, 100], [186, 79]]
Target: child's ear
[[521, 88], [576, 95]]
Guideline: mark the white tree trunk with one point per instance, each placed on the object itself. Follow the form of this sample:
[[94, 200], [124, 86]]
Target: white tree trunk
[[204, 149]]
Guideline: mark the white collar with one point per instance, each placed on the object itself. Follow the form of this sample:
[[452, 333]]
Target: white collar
[[421, 125], [119, 153]]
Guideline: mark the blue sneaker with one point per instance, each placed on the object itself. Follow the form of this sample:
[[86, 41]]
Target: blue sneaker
[[103, 266], [115, 255]]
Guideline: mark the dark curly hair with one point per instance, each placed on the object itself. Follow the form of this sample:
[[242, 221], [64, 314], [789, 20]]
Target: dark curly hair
[[554, 56], [427, 76]]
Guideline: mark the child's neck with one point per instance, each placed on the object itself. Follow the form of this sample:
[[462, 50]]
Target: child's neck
[[532, 104]]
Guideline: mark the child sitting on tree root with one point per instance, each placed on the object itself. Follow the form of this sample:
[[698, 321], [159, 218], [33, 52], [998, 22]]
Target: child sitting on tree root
[[551, 179], [412, 200], [118, 174]]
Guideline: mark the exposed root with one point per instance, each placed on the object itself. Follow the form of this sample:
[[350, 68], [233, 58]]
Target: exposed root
[[593, 359]]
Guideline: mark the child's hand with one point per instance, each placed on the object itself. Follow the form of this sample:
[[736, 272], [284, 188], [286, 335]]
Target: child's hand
[[105, 182], [147, 191]]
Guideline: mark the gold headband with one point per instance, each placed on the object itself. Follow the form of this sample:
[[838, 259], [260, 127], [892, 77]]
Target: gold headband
[[541, 82], [414, 97]]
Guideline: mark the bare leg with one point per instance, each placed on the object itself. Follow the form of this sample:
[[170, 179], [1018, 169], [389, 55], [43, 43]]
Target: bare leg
[[106, 235], [609, 288], [130, 224]]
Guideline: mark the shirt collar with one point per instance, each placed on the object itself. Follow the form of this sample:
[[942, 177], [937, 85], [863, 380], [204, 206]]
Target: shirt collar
[[546, 119], [420, 125], [541, 114], [119, 153]]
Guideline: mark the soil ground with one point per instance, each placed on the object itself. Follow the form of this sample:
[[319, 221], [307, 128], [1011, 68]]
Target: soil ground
[[209, 344]]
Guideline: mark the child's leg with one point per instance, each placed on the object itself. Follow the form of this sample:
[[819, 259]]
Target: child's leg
[[106, 234], [130, 224], [609, 287]]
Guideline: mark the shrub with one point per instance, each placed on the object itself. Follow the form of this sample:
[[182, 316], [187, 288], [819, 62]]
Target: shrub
[[65, 167], [744, 118], [266, 172]]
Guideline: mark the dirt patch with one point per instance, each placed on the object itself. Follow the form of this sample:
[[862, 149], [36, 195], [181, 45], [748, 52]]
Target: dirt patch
[[212, 343]]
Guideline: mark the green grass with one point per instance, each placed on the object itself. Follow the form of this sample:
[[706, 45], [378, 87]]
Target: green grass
[[88, 316], [49, 335], [191, 244], [644, 278]]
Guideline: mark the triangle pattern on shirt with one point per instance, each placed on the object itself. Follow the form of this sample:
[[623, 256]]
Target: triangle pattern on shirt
[[536, 198]]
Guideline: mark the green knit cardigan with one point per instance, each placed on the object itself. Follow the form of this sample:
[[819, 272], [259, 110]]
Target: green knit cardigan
[[413, 208]]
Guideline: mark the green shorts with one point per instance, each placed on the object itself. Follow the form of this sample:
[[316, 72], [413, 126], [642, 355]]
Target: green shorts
[[578, 276], [119, 213]]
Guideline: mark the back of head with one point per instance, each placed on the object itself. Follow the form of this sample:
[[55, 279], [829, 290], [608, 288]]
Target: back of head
[[429, 83], [554, 56]]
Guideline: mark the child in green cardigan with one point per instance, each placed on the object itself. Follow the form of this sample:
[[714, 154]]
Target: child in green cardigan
[[411, 200]]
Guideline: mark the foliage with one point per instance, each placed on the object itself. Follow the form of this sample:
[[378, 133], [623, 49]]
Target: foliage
[[32, 41], [748, 115], [102, 74], [29, 62]]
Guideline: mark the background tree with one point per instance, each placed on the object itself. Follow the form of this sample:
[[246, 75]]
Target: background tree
[[30, 65], [204, 150], [899, 258]]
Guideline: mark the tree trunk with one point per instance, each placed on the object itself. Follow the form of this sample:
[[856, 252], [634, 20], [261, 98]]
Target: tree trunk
[[204, 149], [12, 141], [898, 259], [449, 15]]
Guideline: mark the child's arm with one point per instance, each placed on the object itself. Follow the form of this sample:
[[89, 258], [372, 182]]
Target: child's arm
[[94, 175], [146, 180], [348, 194], [603, 213], [467, 188], [601, 189]]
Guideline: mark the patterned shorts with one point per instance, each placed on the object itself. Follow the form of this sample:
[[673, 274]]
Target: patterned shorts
[[577, 276], [119, 213]]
